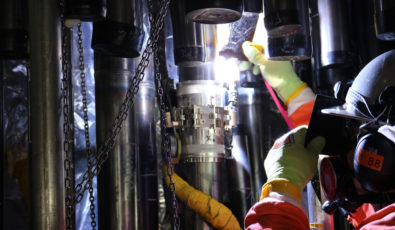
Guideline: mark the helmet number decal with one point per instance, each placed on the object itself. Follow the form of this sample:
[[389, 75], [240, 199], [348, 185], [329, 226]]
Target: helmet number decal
[[370, 160]]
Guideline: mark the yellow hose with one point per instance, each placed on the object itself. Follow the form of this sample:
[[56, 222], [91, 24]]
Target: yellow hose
[[215, 213]]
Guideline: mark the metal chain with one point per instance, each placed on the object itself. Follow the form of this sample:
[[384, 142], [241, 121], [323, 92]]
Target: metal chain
[[165, 136], [104, 150], [89, 154], [68, 127], [67, 130]]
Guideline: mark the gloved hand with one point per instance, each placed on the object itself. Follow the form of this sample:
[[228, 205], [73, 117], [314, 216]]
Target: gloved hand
[[289, 163], [279, 74]]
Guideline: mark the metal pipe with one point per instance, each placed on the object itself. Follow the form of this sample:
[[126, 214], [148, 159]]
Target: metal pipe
[[256, 110], [194, 43], [291, 41], [384, 22], [239, 172], [281, 17], [334, 36], [86, 10], [2, 147], [121, 34], [254, 6], [207, 177], [201, 103], [116, 182], [250, 108], [201, 72], [46, 160], [144, 110], [13, 34], [214, 11]]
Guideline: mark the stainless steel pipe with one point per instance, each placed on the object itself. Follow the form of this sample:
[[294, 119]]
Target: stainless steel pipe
[[117, 180], [144, 110], [334, 36], [46, 160], [194, 43]]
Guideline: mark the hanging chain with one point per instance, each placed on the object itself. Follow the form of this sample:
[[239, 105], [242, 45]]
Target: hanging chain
[[67, 130], [128, 102], [68, 127], [89, 153], [165, 136]]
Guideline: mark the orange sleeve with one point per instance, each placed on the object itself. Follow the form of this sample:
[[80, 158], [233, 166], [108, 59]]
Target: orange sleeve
[[275, 215], [382, 219], [364, 211], [302, 115]]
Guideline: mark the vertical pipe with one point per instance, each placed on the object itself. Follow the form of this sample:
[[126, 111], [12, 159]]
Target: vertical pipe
[[239, 172], [144, 109], [121, 34], [2, 156], [46, 160], [384, 21], [203, 148], [13, 34], [256, 110], [207, 177], [194, 43], [335, 43], [116, 180]]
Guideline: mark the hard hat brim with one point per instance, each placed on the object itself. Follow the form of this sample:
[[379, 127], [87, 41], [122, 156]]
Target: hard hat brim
[[340, 111]]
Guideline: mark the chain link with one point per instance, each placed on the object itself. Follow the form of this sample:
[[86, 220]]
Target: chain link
[[133, 89], [67, 131], [68, 143], [89, 154], [165, 136]]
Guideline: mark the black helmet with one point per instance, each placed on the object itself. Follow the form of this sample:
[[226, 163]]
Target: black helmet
[[372, 90]]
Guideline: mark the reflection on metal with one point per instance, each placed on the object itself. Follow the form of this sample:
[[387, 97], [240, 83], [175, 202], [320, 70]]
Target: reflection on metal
[[201, 72], [334, 34], [317, 217], [208, 177], [257, 113], [250, 115], [214, 11], [46, 161], [117, 180], [202, 119], [281, 17], [145, 139], [2, 147], [239, 173], [384, 19], [290, 41], [254, 6], [120, 34], [13, 31], [194, 43], [87, 10]]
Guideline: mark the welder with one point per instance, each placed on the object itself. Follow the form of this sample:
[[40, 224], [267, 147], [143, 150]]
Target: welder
[[291, 163]]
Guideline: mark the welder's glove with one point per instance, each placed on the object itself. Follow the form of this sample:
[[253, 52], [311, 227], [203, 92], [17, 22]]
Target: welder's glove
[[279, 74], [290, 165]]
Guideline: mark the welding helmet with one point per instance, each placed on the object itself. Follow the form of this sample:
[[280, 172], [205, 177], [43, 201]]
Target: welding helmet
[[369, 100]]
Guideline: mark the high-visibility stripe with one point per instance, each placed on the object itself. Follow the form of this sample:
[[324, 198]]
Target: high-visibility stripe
[[281, 186], [302, 115], [295, 94]]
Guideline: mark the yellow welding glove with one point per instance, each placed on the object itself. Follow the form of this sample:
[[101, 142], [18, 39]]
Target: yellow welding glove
[[279, 74], [290, 165]]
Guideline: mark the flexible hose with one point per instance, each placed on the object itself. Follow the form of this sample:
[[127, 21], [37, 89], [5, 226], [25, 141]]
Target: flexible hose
[[212, 211]]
